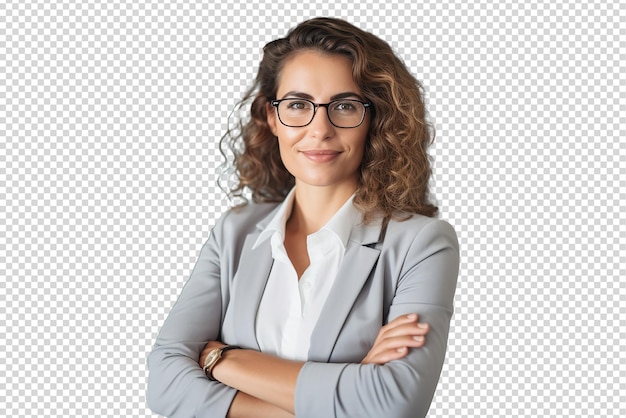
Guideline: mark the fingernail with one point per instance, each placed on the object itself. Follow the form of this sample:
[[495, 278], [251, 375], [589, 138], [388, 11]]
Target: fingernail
[[422, 325], [412, 316], [418, 338]]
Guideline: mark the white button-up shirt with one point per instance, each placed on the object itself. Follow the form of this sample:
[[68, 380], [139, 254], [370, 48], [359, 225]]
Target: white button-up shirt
[[290, 307]]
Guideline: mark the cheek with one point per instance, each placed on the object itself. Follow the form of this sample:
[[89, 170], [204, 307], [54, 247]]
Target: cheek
[[285, 148], [287, 137]]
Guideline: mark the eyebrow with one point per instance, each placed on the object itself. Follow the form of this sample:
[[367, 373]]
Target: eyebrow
[[334, 97]]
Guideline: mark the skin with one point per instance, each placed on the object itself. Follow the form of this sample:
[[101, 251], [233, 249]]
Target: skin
[[324, 161]]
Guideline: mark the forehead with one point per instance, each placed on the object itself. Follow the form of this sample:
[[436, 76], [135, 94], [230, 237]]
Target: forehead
[[317, 74]]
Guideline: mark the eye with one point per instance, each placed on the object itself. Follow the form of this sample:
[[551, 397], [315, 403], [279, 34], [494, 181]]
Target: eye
[[345, 106], [297, 105]]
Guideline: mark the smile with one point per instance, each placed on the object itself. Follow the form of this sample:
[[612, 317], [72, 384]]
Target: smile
[[321, 156]]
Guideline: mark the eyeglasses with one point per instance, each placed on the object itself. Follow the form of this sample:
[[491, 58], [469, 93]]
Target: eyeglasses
[[342, 113]]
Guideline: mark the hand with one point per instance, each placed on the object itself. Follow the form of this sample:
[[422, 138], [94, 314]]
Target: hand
[[395, 339], [205, 351]]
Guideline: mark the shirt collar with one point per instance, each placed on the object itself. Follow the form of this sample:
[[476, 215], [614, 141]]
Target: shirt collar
[[340, 224], [279, 220]]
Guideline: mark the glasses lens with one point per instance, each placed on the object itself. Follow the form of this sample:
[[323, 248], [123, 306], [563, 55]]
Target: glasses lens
[[346, 113], [296, 112]]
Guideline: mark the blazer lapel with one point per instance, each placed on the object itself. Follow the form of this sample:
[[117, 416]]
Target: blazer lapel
[[249, 284], [358, 262]]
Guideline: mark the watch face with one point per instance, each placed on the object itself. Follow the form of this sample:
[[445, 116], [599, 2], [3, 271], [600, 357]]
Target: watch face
[[213, 356]]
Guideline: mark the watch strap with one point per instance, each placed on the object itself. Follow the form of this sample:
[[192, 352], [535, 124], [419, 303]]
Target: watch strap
[[208, 367]]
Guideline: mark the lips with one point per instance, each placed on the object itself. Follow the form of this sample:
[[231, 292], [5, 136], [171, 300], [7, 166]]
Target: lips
[[322, 155]]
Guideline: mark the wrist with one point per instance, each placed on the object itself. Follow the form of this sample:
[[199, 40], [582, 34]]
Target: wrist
[[214, 357], [227, 362]]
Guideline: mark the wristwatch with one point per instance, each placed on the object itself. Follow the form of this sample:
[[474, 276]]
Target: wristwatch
[[213, 357]]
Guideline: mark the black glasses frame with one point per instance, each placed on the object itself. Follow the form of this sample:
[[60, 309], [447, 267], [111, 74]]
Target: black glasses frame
[[366, 105]]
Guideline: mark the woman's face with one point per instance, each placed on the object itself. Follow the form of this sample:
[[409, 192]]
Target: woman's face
[[320, 154]]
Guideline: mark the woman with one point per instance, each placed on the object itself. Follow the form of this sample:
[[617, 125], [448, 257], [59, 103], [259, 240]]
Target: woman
[[331, 294]]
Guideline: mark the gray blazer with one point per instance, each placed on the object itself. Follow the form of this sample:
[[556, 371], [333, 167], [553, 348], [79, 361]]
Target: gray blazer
[[409, 266]]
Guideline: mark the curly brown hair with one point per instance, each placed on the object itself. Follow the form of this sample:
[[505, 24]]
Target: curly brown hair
[[395, 171]]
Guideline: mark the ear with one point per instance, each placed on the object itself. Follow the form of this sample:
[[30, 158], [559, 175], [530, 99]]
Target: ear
[[272, 118]]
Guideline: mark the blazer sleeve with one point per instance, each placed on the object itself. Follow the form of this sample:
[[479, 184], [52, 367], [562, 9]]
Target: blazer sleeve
[[402, 388], [177, 386]]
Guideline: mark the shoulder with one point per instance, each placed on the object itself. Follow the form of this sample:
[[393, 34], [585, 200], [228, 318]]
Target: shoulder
[[243, 219], [421, 228], [414, 240]]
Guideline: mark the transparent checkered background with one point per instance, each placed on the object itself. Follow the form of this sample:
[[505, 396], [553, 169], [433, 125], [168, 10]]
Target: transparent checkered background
[[110, 113]]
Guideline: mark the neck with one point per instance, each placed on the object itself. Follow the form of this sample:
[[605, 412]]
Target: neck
[[314, 206]]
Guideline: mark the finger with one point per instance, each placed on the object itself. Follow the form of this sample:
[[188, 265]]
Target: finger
[[421, 328], [386, 356], [398, 343], [409, 341], [405, 329], [399, 321], [403, 319]]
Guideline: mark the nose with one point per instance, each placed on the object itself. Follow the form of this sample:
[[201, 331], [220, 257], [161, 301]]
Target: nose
[[320, 126]]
